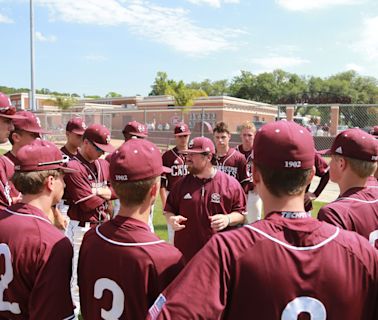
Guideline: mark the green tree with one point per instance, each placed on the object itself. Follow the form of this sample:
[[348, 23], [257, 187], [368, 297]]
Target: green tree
[[113, 95]]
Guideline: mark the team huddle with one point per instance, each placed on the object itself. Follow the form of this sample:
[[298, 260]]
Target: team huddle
[[76, 231]]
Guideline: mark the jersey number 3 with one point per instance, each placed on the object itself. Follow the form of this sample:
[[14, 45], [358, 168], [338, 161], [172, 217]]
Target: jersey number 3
[[5, 280], [118, 298], [309, 305]]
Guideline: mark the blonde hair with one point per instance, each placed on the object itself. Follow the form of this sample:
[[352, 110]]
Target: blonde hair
[[362, 168], [248, 125]]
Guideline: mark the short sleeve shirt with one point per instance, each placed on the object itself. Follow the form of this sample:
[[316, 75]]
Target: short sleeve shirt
[[37, 269], [122, 269], [277, 268], [355, 210], [197, 200], [84, 206], [175, 161]]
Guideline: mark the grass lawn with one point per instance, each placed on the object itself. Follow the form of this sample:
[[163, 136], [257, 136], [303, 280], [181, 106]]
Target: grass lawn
[[161, 226]]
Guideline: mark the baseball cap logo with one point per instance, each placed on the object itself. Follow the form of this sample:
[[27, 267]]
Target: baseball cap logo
[[121, 177], [191, 144], [83, 125], [182, 128], [339, 150], [140, 128], [293, 164], [108, 139]]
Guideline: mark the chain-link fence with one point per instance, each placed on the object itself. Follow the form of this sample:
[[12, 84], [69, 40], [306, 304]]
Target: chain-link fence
[[324, 121]]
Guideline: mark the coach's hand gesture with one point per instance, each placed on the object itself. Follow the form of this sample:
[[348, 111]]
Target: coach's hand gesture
[[175, 222]]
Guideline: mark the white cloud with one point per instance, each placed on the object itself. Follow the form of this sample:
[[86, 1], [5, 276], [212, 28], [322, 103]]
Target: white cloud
[[306, 5], [368, 43], [278, 62], [5, 19], [39, 36], [213, 3], [355, 67], [95, 58], [170, 26]]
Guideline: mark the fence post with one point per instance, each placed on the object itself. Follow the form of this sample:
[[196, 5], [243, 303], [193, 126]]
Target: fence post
[[202, 119], [335, 110], [290, 112]]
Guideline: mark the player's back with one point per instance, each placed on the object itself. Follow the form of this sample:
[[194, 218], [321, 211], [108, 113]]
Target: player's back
[[122, 269], [37, 266], [355, 210], [295, 268], [277, 268]]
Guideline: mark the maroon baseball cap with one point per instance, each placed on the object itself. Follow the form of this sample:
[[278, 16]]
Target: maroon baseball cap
[[136, 159], [200, 145], [41, 155], [76, 125], [182, 129], [356, 144], [29, 122], [284, 145], [6, 108], [136, 128], [99, 135]]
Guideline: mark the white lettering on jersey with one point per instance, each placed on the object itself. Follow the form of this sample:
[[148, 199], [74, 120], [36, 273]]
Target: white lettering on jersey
[[231, 171], [118, 302], [179, 170], [373, 236], [312, 306], [5, 280]]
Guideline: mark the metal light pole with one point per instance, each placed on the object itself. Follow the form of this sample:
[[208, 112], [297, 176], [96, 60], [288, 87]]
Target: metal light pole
[[32, 88]]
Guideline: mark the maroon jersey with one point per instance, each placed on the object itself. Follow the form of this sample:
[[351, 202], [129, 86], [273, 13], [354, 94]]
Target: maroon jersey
[[9, 161], [322, 171], [277, 268], [234, 164], [66, 152], [5, 184], [35, 266], [84, 205], [355, 210], [198, 199], [172, 159], [122, 269], [372, 181], [248, 157]]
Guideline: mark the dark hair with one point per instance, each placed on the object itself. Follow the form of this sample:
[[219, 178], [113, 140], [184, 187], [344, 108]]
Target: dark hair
[[221, 127], [132, 193], [284, 182]]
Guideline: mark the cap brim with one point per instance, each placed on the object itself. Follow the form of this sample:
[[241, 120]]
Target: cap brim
[[105, 147], [193, 151], [79, 132], [183, 134], [166, 170], [15, 116], [68, 170], [324, 152], [138, 134]]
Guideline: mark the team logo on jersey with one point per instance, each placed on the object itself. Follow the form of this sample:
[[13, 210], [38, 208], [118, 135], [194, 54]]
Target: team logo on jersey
[[187, 196], [215, 198]]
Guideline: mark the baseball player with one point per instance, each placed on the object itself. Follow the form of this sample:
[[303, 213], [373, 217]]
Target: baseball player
[[287, 266], [75, 128], [176, 161], [7, 114], [254, 204], [374, 132], [322, 171], [123, 266], [354, 159], [88, 190], [36, 257], [204, 202], [228, 159]]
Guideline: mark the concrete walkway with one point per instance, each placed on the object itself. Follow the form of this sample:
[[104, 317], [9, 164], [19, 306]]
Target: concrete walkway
[[330, 192]]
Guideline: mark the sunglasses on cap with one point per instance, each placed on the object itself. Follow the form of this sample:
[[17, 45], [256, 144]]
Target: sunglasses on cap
[[9, 111], [96, 148]]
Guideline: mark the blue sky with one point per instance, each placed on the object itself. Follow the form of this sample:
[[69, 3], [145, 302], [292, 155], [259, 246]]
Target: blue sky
[[98, 46]]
